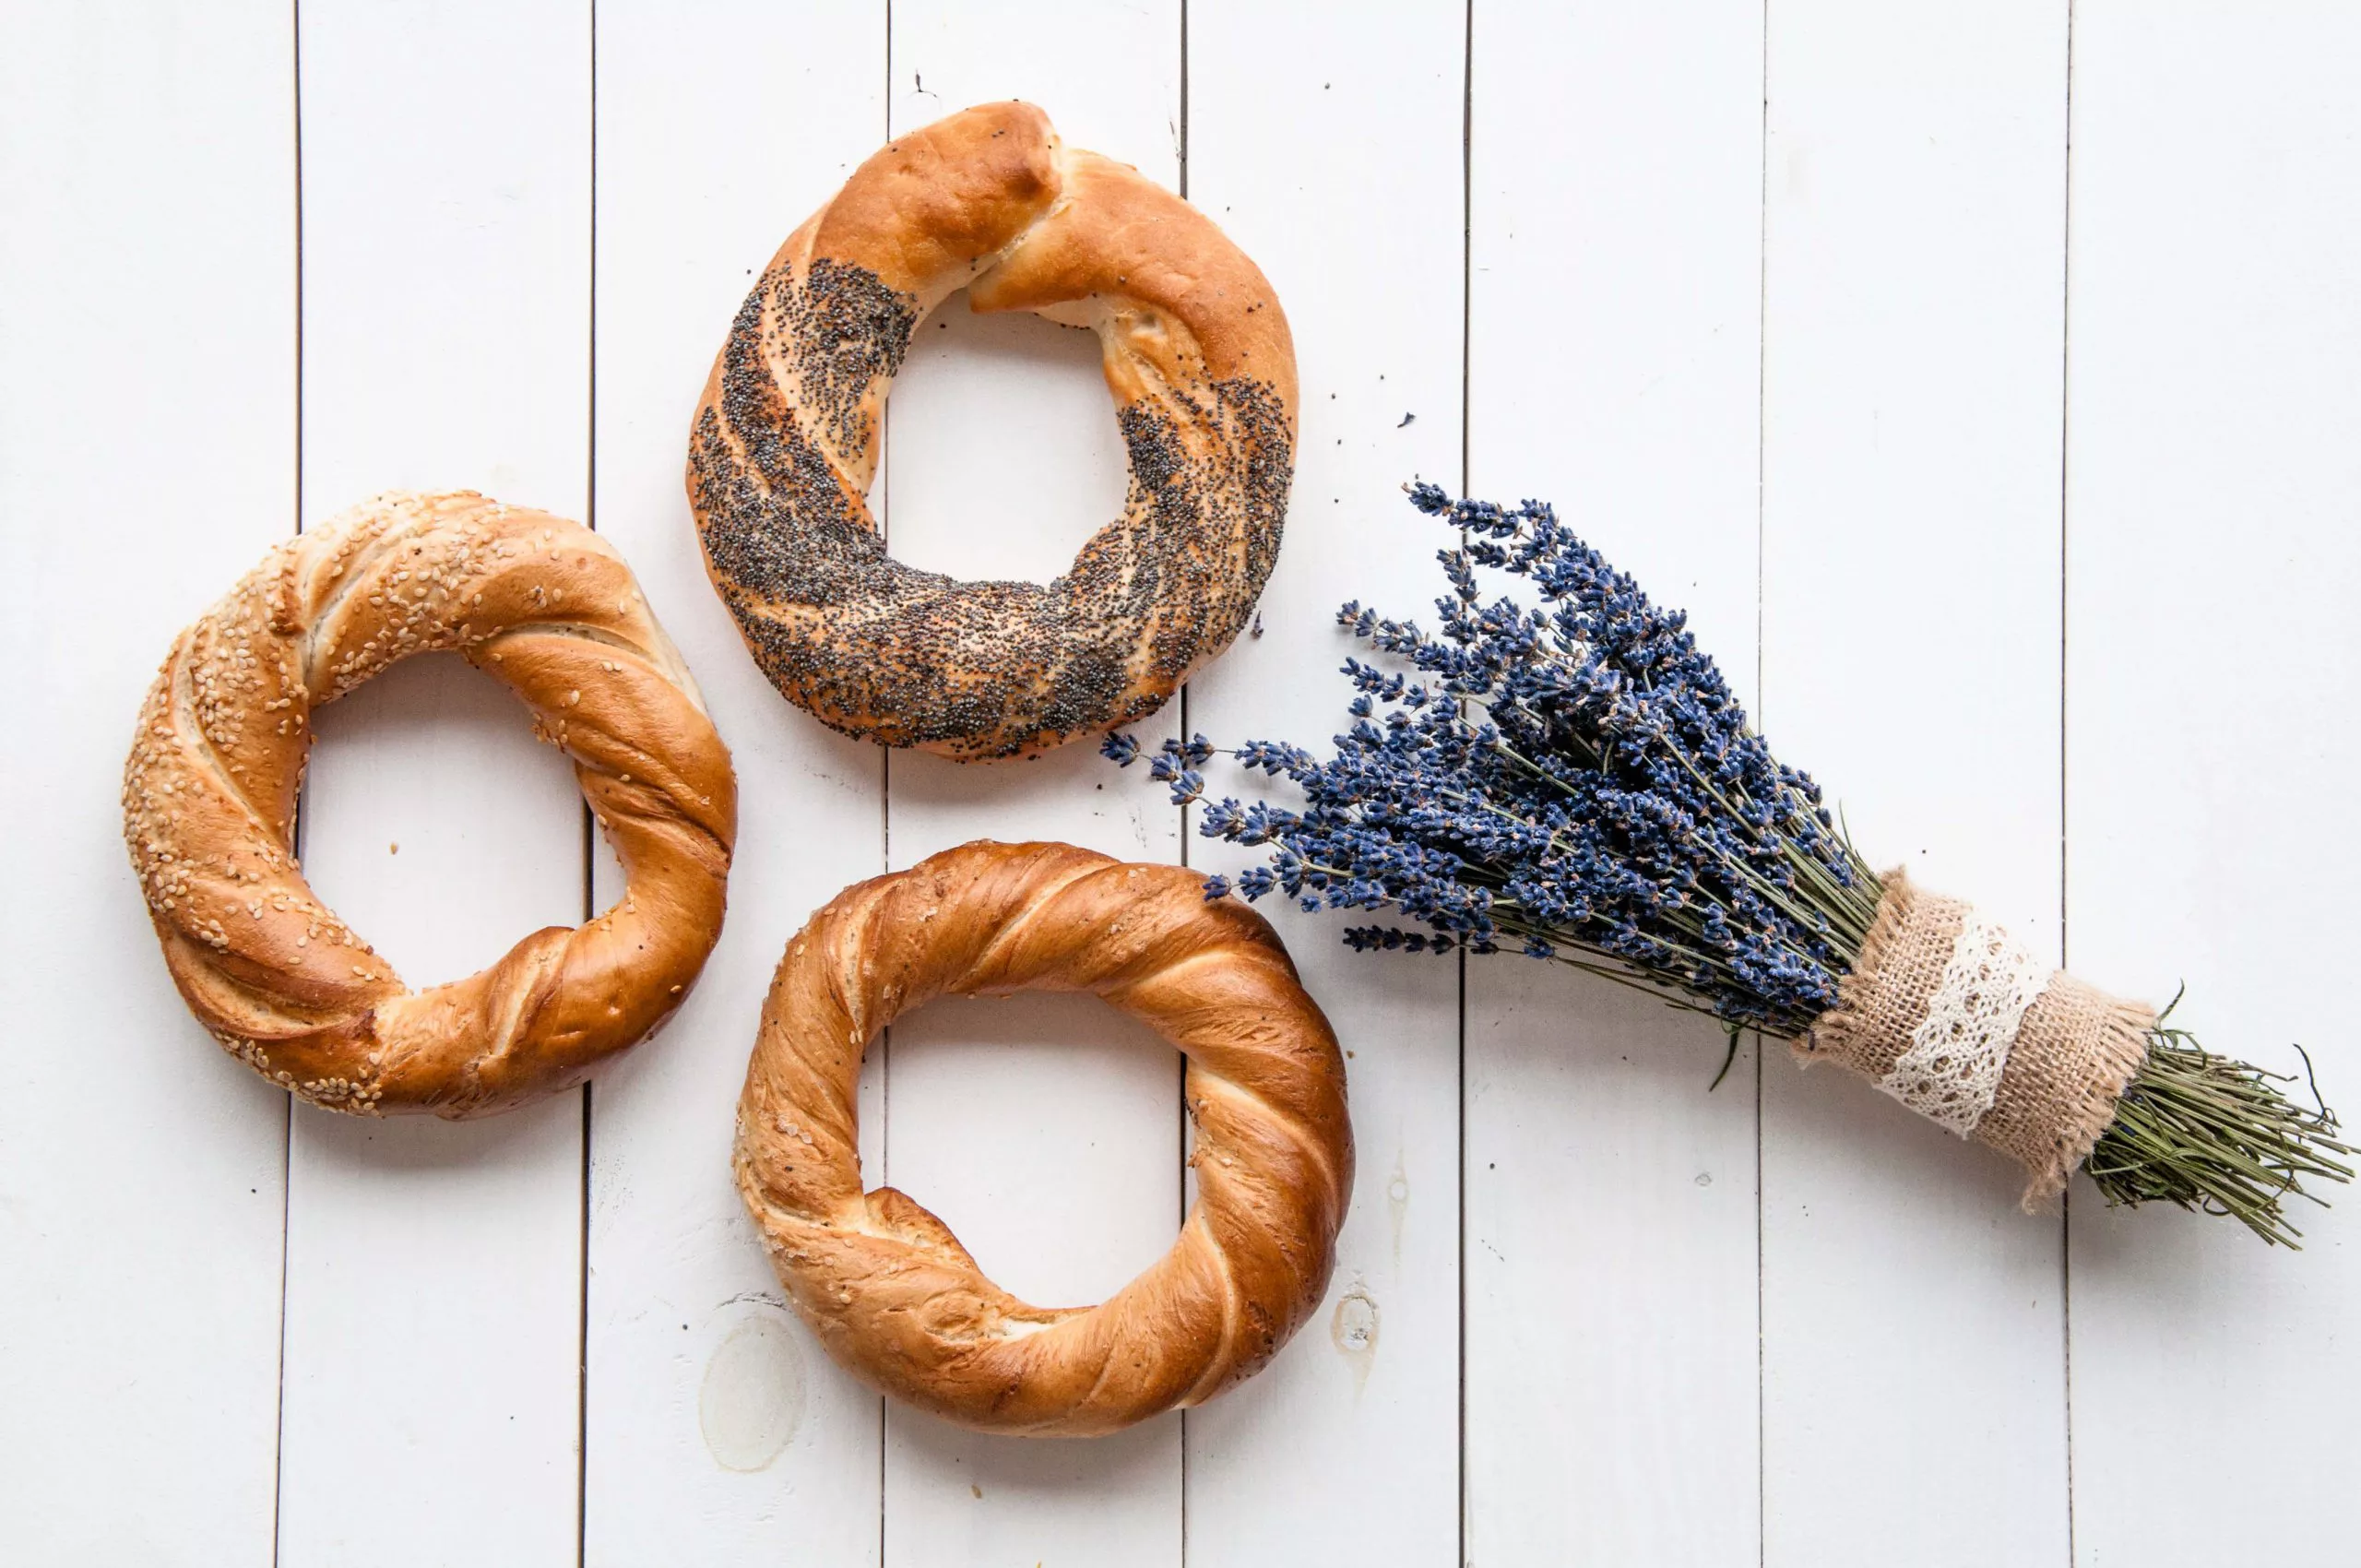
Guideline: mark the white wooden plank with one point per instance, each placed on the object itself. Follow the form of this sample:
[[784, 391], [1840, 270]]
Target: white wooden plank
[[1347, 1447], [1610, 1248], [434, 1289], [716, 1430], [2213, 482], [1002, 459], [1913, 277], [147, 459]]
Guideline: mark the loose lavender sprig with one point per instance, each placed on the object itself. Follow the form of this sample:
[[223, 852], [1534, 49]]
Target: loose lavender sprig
[[1577, 781]]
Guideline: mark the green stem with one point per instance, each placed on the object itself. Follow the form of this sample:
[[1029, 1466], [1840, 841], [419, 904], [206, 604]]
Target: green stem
[[2214, 1135]]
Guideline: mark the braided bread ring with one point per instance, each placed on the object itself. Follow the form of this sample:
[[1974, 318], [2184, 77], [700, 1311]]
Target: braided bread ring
[[1196, 352], [888, 1288], [208, 801]]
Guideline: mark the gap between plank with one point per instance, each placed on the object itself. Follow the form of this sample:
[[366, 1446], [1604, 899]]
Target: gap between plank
[[1762, 449], [885, 838], [589, 864], [1466, 423], [1180, 1187], [287, 1125], [2065, 416]]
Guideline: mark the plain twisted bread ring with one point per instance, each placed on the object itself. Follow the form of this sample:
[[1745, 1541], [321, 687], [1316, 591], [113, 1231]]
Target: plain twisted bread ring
[[208, 801], [1197, 353], [888, 1288]]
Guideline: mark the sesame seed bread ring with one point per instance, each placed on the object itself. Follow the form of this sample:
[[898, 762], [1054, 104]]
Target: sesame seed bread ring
[[884, 1284], [209, 804], [1196, 352]]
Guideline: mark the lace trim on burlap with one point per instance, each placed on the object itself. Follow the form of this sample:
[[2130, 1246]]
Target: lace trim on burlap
[[1951, 1071], [1952, 1017]]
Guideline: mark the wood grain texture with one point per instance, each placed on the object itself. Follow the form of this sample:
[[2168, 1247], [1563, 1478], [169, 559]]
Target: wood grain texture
[[716, 1432], [1913, 285], [1345, 1448], [1610, 1250], [2213, 481], [140, 1167], [434, 1272], [1045, 1132]]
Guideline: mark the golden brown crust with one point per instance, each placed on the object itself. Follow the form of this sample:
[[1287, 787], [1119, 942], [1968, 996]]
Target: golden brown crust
[[885, 1285], [208, 800], [1135, 251], [937, 201], [1196, 352]]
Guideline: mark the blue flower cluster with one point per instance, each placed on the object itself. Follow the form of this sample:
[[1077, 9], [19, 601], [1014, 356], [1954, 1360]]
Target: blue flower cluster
[[1574, 780]]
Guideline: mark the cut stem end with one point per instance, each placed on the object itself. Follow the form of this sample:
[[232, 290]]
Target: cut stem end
[[2215, 1135]]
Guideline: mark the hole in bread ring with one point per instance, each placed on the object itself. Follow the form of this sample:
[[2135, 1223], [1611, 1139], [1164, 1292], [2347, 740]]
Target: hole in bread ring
[[1196, 354], [210, 795], [889, 1290]]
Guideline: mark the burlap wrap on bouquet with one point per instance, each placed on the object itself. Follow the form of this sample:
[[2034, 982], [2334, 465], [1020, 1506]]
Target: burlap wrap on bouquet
[[1954, 1018]]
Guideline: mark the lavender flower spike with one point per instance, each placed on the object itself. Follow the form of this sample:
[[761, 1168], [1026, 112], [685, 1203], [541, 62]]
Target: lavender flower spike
[[1573, 779]]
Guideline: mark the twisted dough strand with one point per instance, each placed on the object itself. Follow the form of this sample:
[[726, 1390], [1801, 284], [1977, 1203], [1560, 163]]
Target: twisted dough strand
[[209, 792], [887, 1287]]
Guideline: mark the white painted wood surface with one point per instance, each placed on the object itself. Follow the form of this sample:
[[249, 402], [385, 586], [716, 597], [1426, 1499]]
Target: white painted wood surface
[[1614, 367], [1347, 1449], [2212, 481], [434, 1269], [716, 1431], [1914, 285], [144, 167], [2044, 569], [1031, 1123]]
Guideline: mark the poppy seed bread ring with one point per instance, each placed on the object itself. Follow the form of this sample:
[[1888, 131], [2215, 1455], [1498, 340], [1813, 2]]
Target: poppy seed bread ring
[[786, 441], [209, 804], [888, 1288]]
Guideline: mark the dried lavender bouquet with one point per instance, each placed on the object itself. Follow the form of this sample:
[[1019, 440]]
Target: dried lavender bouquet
[[1576, 781]]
